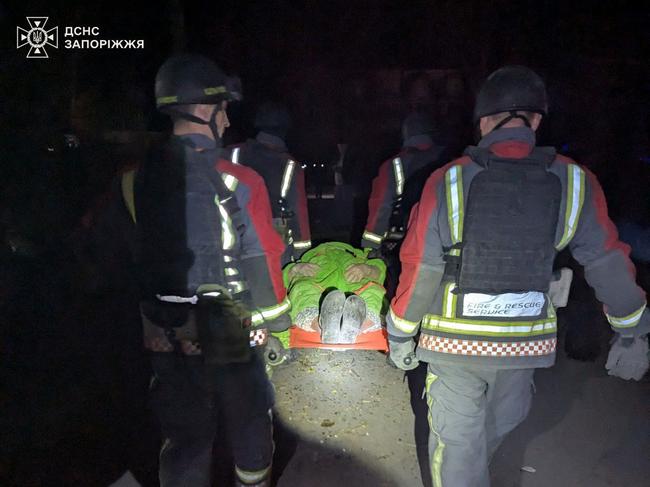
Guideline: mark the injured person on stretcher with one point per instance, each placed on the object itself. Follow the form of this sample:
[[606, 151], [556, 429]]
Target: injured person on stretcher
[[337, 292]]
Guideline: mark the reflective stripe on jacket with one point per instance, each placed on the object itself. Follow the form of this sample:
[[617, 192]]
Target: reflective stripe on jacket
[[513, 330], [285, 182], [396, 176], [260, 247]]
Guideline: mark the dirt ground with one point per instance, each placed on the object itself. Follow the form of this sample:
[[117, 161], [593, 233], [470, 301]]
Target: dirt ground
[[348, 419]]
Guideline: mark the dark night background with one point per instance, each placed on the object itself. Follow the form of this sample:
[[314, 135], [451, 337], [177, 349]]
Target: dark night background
[[348, 70]]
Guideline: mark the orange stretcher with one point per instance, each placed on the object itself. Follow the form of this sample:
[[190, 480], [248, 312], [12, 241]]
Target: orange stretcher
[[372, 340]]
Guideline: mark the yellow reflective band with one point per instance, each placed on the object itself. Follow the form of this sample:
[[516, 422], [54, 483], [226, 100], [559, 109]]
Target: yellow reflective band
[[436, 458], [286, 178], [490, 328], [399, 176], [303, 244], [257, 319], [401, 324], [235, 155], [128, 181], [215, 90], [628, 321], [227, 233], [454, 186], [230, 181], [227, 258], [449, 301], [271, 312], [165, 100], [574, 201], [252, 476], [372, 237], [231, 272]]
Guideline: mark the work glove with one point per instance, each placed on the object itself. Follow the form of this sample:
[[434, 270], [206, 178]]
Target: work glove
[[303, 269], [402, 354], [628, 357], [358, 272], [560, 286]]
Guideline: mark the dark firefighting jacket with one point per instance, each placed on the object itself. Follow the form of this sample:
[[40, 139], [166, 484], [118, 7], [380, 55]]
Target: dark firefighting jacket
[[244, 248], [400, 181], [508, 329], [285, 181]]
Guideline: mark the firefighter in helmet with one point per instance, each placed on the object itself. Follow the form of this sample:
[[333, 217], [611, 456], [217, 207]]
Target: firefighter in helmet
[[397, 188], [476, 265], [269, 156], [199, 232]]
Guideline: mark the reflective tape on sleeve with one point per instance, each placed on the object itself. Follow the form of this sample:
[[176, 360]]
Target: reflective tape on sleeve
[[628, 321], [230, 181], [302, 244], [270, 312], [398, 170], [372, 237], [401, 324], [574, 200], [235, 155], [287, 177]]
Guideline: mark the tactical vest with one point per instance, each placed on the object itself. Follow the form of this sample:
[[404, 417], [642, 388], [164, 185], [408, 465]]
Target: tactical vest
[[278, 170], [504, 239], [188, 222], [411, 171]]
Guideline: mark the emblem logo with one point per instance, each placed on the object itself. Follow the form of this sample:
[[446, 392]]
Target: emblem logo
[[37, 37]]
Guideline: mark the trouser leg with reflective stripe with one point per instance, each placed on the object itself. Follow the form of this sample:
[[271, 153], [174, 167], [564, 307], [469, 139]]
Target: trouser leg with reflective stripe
[[471, 410], [509, 397], [457, 442], [188, 418], [246, 397]]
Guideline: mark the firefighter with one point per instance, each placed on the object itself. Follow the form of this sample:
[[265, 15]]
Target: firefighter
[[268, 155], [397, 188], [207, 259], [476, 265]]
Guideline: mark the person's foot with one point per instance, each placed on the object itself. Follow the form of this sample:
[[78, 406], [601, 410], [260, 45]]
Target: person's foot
[[354, 313], [331, 311]]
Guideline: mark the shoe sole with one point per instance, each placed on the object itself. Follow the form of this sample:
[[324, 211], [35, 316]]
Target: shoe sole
[[354, 313], [331, 312]]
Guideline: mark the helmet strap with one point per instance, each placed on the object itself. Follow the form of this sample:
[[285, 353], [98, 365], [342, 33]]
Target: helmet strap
[[212, 122], [512, 116]]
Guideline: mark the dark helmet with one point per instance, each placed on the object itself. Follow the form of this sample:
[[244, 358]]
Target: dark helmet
[[511, 89], [417, 123], [187, 79], [273, 118]]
